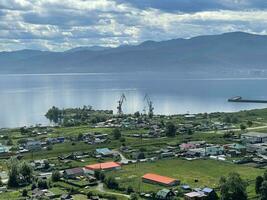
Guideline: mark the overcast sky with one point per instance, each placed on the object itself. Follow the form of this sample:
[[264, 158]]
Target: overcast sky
[[63, 24]]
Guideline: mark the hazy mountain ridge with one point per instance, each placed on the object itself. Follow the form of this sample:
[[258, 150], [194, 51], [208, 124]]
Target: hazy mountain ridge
[[227, 53]]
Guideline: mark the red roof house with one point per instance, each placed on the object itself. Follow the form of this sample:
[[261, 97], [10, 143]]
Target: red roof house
[[158, 179], [103, 166]]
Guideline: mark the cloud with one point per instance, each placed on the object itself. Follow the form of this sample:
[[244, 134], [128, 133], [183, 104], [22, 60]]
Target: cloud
[[62, 24]]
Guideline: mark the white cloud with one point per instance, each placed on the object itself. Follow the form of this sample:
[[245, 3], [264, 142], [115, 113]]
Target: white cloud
[[63, 24]]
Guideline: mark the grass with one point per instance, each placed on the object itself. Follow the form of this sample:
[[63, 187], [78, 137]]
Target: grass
[[207, 172]]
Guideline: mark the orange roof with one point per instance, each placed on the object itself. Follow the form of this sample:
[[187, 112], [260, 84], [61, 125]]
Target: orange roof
[[158, 178], [106, 165]]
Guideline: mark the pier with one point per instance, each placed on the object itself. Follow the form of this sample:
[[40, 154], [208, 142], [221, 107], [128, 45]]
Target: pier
[[239, 99]]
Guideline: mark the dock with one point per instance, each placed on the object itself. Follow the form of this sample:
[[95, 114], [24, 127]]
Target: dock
[[239, 99]]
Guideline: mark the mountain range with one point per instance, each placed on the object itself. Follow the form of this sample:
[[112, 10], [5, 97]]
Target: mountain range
[[228, 53]]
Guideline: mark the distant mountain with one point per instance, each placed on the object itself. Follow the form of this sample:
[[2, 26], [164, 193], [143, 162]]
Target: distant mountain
[[230, 54], [87, 48]]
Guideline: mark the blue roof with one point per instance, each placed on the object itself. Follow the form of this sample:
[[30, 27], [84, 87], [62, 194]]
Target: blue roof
[[186, 187], [207, 190], [104, 151]]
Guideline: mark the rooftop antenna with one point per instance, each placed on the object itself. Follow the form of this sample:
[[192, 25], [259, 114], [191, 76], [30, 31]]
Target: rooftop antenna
[[119, 108], [150, 106]]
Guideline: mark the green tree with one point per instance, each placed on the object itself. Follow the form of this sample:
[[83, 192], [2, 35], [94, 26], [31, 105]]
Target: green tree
[[141, 155], [116, 133], [265, 175], [137, 114], [233, 187], [56, 176], [80, 137], [170, 129], [13, 172], [130, 190], [243, 127], [134, 196], [263, 191], [26, 171], [258, 184], [42, 184], [24, 193], [111, 183], [54, 114], [249, 123]]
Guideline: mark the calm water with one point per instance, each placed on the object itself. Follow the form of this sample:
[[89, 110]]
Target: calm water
[[24, 99]]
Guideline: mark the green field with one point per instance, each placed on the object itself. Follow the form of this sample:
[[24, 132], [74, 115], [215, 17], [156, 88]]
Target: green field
[[207, 172]]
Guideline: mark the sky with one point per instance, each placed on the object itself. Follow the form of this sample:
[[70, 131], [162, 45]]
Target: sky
[[58, 25]]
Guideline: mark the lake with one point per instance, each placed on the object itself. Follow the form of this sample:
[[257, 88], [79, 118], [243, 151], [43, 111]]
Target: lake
[[24, 99]]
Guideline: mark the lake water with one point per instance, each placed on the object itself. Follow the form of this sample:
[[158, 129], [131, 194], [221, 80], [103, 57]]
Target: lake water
[[24, 99]]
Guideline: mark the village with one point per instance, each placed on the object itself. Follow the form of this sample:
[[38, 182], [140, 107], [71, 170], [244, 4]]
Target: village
[[133, 157]]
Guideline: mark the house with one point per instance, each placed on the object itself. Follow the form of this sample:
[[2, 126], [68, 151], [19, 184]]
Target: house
[[185, 187], [73, 173], [207, 151], [66, 197], [235, 149], [165, 194], [40, 164], [103, 166], [254, 137], [195, 195], [105, 152], [161, 180], [33, 145], [187, 146], [210, 193], [4, 149], [260, 148]]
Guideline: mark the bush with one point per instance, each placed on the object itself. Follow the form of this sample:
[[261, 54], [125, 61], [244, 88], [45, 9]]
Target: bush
[[111, 183], [116, 133], [42, 184], [130, 190], [24, 193], [56, 176]]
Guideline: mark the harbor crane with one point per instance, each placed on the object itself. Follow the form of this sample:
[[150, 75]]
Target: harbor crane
[[150, 106], [119, 108]]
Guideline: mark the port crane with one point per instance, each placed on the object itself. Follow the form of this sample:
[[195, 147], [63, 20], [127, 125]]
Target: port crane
[[119, 107], [150, 106]]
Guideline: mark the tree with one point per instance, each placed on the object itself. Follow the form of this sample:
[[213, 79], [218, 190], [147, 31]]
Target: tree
[[116, 133], [141, 155], [243, 127], [170, 129], [263, 191], [134, 196], [80, 137], [99, 175], [42, 184], [265, 175], [56, 176], [13, 172], [258, 184], [233, 187], [137, 114], [9, 142], [111, 183], [24, 193], [26, 171], [249, 123], [54, 114], [130, 190]]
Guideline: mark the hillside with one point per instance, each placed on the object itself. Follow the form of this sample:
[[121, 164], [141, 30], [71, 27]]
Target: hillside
[[229, 53]]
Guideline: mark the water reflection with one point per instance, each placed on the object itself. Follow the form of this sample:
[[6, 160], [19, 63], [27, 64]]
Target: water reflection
[[24, 99]]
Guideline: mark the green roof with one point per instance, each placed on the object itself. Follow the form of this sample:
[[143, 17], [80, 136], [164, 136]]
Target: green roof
[[163, 193]]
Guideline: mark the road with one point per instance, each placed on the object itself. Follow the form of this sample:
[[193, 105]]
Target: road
[[100, 188]]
